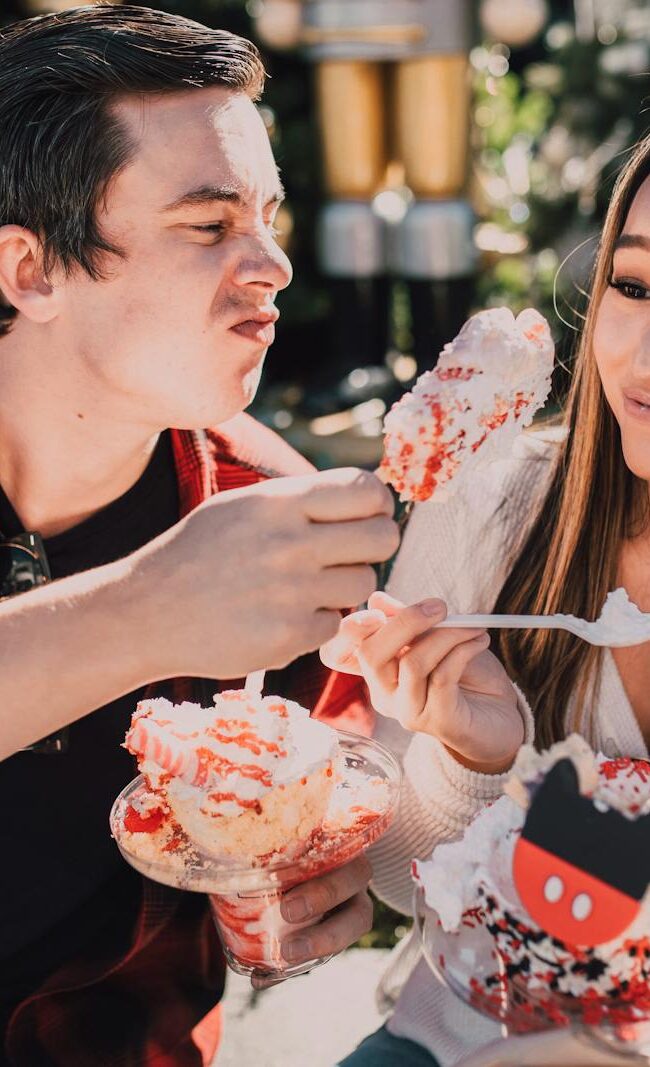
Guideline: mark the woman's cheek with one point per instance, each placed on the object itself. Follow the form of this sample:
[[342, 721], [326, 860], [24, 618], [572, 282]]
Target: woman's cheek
[[605, 355]]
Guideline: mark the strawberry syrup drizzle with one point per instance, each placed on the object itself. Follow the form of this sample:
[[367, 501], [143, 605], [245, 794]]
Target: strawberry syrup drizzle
[[209, 761], [247, 739], [220, 798]]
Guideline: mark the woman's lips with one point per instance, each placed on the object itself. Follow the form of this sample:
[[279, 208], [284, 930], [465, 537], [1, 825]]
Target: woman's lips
[[636, 408], [263, 333]]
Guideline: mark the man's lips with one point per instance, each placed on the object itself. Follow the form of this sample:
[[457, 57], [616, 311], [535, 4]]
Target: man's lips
[[260, 327], [637, 404]]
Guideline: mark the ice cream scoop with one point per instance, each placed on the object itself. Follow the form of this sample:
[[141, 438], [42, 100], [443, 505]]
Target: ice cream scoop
[[485, 389], [241, 778]]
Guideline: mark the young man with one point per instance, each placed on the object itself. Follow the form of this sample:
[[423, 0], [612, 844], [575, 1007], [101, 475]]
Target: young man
[[138, 272]]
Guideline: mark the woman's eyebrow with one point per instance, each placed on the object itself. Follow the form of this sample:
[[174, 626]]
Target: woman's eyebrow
[[633, 240]]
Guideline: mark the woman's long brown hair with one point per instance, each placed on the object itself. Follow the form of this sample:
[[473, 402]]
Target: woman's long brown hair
[[569, 559]]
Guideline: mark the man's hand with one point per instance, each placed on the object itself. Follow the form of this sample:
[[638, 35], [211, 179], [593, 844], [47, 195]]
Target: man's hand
[[330, 913], [435, 681], [256, 577]]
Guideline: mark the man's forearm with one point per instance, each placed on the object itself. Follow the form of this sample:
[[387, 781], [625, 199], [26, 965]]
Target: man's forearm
[[69, 648]]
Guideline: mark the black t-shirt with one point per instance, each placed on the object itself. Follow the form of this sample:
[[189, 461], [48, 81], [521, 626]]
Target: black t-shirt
[[62, 878]]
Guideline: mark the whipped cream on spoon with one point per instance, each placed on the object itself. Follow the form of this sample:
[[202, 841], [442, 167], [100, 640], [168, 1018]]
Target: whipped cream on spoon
[[619, 625]]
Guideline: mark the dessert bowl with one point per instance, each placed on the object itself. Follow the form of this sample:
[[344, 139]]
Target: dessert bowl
[[246, 896]]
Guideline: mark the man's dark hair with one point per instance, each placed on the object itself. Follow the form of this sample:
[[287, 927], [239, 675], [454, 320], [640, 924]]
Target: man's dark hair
[[60, 140]]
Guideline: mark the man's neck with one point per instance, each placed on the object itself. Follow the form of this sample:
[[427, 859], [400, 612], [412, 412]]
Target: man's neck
[[61, 457]]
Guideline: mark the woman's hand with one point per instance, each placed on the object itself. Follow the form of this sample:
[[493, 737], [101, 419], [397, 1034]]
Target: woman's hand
[[435, 681]]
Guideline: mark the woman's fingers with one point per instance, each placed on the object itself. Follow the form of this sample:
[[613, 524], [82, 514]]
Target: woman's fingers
[[429, 681], [340, 654], [384, 602], [401, 631]]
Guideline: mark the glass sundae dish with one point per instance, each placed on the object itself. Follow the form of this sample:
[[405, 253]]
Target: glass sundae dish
[[543, 919], [244, 801]]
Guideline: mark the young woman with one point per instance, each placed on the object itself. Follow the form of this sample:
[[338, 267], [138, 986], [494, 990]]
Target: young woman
[[555, 526]]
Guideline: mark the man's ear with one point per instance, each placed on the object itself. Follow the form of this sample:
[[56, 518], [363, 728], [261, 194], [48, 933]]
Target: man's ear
[[23, 281]]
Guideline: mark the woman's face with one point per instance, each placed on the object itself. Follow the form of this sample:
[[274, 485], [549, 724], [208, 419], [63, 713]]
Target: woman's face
[[622, 335]]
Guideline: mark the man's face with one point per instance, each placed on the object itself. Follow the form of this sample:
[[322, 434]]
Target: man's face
[[177, 333]]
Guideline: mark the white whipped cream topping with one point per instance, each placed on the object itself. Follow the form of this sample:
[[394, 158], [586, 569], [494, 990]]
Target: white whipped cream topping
[[621, 620], [485, 389], [451, 878], [235, 752]]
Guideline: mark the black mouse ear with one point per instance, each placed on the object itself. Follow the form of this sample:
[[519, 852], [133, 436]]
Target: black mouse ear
[[555, 806], [563, 779]]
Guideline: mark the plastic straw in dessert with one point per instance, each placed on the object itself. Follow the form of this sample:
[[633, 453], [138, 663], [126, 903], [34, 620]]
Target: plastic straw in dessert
[[486, 387], [541, 912], [243, 800]]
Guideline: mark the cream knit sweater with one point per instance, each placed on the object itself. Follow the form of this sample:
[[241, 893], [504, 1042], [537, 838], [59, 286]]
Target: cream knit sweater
[[461, 550]]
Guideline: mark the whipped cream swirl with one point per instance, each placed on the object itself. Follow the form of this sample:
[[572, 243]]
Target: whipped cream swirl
[[227, 758]]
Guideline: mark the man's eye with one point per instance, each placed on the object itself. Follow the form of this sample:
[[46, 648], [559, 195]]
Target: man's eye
[[629, 289], [215, 228]]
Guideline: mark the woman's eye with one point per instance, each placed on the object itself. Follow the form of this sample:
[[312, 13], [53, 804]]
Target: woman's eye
[[631, 290]]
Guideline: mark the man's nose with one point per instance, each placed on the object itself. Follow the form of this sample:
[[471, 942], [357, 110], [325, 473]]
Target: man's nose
[[264, 264]]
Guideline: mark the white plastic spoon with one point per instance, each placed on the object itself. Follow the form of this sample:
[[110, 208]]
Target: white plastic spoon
[[620, 625]]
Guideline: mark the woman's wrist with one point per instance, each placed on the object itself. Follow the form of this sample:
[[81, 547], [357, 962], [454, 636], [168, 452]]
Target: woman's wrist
[[496, 767]]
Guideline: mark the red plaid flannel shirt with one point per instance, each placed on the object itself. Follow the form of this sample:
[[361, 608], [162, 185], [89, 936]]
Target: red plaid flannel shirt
[[155, 1004]]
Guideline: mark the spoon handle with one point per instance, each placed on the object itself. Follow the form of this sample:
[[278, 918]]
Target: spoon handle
[[503, 622]]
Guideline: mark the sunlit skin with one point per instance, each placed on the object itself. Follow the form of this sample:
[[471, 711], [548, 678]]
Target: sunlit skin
[[196, 267], [622, 353], [176, 333], [622, 336]]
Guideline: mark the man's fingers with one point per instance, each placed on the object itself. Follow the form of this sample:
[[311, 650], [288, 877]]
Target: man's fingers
[[371, 540], [345, 587], [315, 898], [333, 934], [346, 494]]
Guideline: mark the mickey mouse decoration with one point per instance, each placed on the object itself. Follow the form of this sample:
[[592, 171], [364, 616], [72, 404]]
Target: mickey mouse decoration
[[581, 869]]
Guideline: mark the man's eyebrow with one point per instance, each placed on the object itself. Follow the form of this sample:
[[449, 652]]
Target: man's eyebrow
[[213, 194], [633, 240]]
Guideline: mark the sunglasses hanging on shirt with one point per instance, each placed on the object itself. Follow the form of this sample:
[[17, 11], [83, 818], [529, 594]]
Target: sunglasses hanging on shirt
[[24, 566]]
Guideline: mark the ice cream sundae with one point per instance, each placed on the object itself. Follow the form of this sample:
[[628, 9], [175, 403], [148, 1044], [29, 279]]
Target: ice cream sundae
[[241, 779], [485, 389], [549, 886], [244, 800]]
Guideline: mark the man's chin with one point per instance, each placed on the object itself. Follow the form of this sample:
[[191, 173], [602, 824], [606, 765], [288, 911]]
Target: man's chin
[[222, 408], [251, 381]]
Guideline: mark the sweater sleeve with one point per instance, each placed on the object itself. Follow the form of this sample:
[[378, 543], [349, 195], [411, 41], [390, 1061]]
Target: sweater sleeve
[[458, 550], [439, 799]]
